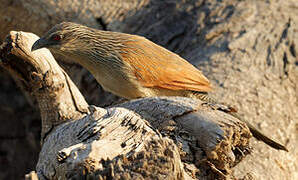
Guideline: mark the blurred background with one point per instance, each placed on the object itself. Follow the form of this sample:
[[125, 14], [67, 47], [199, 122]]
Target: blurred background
[[247, 48]]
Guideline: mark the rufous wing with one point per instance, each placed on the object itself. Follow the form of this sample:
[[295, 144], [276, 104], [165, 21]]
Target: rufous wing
[[156, 67]]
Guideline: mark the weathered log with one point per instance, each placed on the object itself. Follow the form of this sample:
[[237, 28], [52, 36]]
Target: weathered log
[[156, 138]]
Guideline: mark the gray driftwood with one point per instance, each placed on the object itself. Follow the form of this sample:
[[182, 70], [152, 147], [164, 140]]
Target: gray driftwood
[[155, 138]]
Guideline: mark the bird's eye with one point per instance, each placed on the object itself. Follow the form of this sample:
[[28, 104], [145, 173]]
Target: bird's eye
[[56, 37]]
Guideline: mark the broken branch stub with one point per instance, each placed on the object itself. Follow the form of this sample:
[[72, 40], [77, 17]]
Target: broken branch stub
[[58, 98]]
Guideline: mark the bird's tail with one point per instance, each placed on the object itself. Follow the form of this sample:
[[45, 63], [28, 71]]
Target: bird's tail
[[255, 132], [259, 135]]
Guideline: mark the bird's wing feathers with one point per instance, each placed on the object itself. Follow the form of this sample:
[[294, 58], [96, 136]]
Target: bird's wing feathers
[[156, 67]]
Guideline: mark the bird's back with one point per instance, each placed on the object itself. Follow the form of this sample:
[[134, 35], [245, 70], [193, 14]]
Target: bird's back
[[158, 68]]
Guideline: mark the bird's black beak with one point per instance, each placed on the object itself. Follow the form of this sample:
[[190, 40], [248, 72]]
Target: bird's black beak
[[40, 43]]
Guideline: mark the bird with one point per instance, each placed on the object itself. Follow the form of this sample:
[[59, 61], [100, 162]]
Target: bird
[[131, 66]]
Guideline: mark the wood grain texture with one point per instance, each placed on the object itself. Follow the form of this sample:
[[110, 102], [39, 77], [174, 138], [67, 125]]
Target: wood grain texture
[[58, 98]]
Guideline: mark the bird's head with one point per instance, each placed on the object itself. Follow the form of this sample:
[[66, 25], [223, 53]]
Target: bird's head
[[62, 37]]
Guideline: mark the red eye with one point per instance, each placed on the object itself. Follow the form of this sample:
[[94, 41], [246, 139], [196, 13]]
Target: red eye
[[56, 37]]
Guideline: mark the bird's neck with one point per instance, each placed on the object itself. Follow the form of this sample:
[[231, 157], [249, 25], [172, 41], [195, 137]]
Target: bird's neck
[[98, 62]]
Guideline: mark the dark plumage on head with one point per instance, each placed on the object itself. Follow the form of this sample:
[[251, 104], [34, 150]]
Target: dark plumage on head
[[69, 38], [61, 37]]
